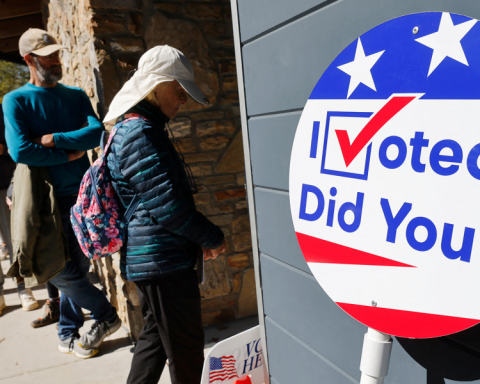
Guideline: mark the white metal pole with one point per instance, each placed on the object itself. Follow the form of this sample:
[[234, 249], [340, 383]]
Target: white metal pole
[[377, 347]]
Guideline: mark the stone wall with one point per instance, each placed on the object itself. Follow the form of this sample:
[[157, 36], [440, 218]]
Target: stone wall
[[105, 39]]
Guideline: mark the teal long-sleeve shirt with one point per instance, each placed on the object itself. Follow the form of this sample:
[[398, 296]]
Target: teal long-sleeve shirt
[[65, 112]]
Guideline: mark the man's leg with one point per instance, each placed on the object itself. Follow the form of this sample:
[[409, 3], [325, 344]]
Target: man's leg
[[51, 307], [77, 291], [174, 301], [149, 357]]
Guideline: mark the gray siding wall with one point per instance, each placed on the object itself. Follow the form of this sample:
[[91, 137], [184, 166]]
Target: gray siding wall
[[286, 46]]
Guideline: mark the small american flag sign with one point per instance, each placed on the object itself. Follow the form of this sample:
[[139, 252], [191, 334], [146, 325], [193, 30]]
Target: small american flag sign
[[222, 368]]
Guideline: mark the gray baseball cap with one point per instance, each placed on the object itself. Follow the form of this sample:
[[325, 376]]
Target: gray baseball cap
[[39, 42]]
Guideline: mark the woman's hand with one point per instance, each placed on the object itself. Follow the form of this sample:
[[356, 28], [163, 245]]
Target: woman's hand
[[213, 253]]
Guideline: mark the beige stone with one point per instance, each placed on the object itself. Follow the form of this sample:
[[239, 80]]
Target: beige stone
[[181, 127], [213, 127], [241, 224], [237, 282], [228, 67], [240, 260], [186, 145], [241, 178], [201, 157], [217, 209], [188, 38], [212, 115], [127, 45], [108, 23], [229, 179], [201, 198], [230, 83], [214, 143], [216, 279], [215, 304], [215, 29], [242, 242], [221, 220], [117, 4], [241, 204], [247, 302], [201, 170], [232, 160], [174, 8]]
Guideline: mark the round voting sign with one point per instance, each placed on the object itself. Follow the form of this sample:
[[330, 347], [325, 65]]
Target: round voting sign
[[385, 176]]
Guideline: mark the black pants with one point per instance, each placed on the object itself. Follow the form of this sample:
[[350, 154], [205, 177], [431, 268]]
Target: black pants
[[173, 330]]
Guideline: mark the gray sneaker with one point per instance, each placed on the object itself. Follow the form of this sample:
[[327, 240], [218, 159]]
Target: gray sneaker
[[98, 332], [70, 346]]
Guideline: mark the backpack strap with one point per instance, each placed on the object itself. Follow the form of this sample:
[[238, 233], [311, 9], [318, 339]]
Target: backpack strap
[[131, 209]]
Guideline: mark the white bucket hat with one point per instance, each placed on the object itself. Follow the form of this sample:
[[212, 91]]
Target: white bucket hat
[[157, 65]]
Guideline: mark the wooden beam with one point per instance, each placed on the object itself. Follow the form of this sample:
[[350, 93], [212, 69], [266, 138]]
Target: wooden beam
[[18, 25], [9, 44], [16, 8]]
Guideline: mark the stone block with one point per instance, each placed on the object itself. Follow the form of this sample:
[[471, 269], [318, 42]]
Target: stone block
[[186, 145], [201, 157], [228, 67], [107, 23], [235, 111], [242, 242], [230, 194], [214, 143], [174, 8], [241, 178], [241, 204], [240, 260], [135, 23], [127, 63], [215, 304], [236, 282], [213, 127], [181, 127], [241, 224], [211, 115], [222, 220], [219, 179], [230, 98], [217, 209], [117, 4], [201, 170], [230, 83], [217, 317], [215, 29], [232, 160], [247, 301], [203, 11], [188, 38], [127, 45], [216, 279], [201, 198], [108, 76]]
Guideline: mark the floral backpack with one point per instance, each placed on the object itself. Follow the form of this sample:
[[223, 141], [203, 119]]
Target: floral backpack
[[96, 217]]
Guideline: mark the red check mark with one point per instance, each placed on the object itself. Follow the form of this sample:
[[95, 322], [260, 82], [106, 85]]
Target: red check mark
[[382, 117]]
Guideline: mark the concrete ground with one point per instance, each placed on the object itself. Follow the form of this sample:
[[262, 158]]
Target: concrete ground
[[29, 355]]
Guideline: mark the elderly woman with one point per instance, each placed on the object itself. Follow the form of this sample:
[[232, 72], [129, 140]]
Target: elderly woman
[[166, 232]]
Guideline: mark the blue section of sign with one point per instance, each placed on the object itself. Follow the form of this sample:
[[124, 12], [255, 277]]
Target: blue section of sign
[[360, 176], [315, 132], [404, 65]]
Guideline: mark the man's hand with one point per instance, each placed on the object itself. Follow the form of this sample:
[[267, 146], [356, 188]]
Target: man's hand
[[9, 202], [45, 141], [213, 253], [74, 155]]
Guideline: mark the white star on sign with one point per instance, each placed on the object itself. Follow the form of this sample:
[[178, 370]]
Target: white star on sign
[[446, 42], [359, 69]]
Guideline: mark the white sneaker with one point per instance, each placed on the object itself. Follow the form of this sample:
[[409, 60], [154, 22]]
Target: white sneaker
[[2, 304], [28, 301]]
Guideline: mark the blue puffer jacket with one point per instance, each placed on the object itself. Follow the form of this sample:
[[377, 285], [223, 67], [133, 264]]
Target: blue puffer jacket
[[165, 232]]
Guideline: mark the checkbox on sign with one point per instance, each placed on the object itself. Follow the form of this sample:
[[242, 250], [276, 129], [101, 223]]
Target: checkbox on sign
[[336, 146]]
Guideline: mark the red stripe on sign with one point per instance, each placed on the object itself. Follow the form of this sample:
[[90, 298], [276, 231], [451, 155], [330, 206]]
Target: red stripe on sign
[[406, 323], [321, 251]]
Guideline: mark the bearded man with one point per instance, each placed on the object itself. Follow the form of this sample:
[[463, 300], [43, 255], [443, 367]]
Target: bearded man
[[50, 125]]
